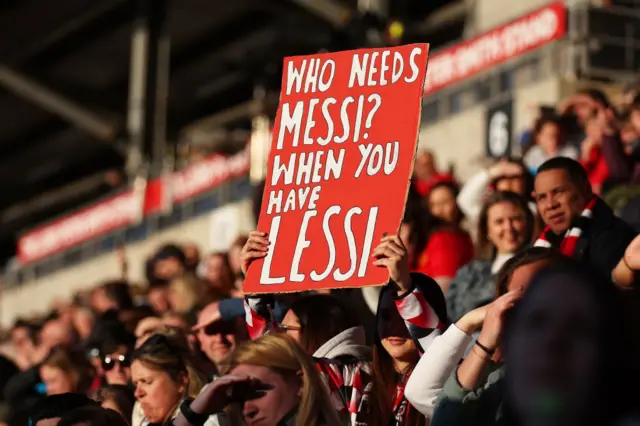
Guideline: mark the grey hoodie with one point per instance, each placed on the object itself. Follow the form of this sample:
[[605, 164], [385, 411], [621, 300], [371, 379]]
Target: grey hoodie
[[351, 342]]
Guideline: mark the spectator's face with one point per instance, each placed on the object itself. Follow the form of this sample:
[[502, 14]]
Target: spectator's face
[[424, 165], [216, 270], [270, 409], [157, 393], [83, 323], [551, 354], [393, 332], [168, 268], [56, 333], [21, 341], [442, 203], [100, 302], [234, 259], [117, 367], [549, 138], [56, 380], [158, 298], [506, 225], [218, 339], [191, 253], [583, 110], [559, 199]]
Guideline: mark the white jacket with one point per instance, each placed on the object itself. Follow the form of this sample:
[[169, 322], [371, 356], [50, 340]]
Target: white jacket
[[434, 368]]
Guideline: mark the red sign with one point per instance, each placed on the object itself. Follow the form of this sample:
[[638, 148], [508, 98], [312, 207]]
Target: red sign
[[127, 207], [339, 167], [471, 57]]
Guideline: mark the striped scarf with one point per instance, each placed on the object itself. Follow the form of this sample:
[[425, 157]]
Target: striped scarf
[[567, 245]]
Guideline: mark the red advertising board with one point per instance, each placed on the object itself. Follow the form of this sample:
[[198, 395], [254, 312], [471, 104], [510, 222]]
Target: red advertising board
[[341, 158], [127, 207], [529, 32]]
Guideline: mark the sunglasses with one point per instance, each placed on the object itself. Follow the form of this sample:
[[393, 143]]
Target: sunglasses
[[108, 362], [220, 327]]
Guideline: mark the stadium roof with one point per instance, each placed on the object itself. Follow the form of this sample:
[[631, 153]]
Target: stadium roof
[[78, 52]]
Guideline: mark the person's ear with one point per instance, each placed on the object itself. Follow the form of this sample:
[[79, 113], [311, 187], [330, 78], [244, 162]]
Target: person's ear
[[301, 379], [183, 383]]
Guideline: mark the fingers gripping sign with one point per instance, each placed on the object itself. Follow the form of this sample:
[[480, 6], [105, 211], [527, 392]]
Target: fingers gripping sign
[[391, 253], [257, 247]]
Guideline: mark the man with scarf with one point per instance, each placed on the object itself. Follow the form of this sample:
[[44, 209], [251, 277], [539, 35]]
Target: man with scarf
[[580, 225]]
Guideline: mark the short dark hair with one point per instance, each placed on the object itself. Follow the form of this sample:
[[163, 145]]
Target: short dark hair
[[119, 292], [525, 257], [94, 416], [574, 169], [121, 395], [55, 406]]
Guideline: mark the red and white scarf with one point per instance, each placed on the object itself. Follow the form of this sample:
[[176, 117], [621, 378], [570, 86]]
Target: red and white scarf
[[569, 242]]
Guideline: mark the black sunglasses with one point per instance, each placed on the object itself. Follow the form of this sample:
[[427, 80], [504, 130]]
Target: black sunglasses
[[220, 327], [108, 362]]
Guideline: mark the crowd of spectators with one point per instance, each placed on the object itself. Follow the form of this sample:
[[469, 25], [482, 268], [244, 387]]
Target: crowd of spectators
[[511, 300]]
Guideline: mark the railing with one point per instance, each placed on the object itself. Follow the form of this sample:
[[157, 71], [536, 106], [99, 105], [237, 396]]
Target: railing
[[234, 190]]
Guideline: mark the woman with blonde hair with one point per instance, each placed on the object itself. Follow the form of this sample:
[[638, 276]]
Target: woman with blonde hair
[[269, 381], [163, 374], [186, 293]]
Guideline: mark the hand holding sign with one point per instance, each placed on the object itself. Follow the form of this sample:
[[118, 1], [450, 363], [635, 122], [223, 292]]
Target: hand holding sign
[[256, 247], [392, 254]]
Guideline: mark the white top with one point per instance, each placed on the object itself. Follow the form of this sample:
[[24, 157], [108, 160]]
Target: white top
[[536, 156], [434, 368]]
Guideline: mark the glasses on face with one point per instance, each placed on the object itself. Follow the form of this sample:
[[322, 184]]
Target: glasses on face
[[286, 327], [108, 362]]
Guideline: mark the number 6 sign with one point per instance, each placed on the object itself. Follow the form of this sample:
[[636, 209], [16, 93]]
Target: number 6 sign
[[499, 129]]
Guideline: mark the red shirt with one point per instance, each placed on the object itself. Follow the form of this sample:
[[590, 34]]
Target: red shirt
[[445, 253], [596, 167]]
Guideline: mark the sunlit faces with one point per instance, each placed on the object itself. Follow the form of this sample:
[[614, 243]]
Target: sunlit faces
[[552, 350], [559, 199], [156, 391], [506, 225], [270, 409], [442, 204], [393, 333], [218, 339], [56, 381], [117, 367], [549, 138]]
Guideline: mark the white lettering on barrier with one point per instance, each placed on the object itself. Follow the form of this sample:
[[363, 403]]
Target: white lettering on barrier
[[476, 55], [123, 209]]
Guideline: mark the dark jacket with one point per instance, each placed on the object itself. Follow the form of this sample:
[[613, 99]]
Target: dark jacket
[[605, 240]]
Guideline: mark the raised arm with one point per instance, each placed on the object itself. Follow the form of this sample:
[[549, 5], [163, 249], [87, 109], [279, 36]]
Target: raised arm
[[440, 360]]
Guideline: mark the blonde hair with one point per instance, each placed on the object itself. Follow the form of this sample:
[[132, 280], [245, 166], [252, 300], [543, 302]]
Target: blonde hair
[[168, 351], [192, 290], [283, 355]]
